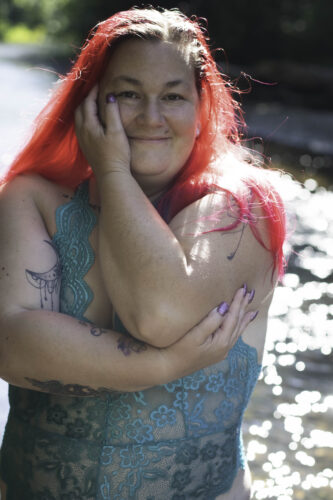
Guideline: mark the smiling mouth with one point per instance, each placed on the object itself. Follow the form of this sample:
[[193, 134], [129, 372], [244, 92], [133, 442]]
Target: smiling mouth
[[149, 139]]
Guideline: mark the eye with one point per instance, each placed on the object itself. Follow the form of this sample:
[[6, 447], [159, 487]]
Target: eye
[[173, 97], [128, 94]]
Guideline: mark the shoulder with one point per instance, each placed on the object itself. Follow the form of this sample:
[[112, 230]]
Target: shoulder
[[28, 192], [229, 229], [27, 186], [237, 191]]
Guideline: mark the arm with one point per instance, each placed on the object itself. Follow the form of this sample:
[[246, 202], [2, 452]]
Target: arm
[[162, 278], [45, 350]]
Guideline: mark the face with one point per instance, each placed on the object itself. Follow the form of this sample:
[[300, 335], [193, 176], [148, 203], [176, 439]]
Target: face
[[159, 107]]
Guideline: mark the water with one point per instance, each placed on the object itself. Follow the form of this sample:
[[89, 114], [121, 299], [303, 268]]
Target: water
[[288, 425], [288, 422]]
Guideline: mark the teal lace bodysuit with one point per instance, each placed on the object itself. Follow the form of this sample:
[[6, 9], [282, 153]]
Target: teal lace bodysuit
[[178, 441]]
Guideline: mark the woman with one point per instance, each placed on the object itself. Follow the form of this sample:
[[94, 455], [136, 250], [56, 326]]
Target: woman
[[138, 196]]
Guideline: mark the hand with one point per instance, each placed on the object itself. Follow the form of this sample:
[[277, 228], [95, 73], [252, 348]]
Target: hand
[[210, 341], [105, 146]]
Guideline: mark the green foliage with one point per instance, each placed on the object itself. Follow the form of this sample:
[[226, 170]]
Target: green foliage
[[20, 33], [246, 29]]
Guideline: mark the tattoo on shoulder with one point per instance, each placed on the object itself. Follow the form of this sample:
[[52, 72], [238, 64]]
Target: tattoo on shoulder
[[232, 254], [245, 219], [129, 345], [48, 282], [56, 387]]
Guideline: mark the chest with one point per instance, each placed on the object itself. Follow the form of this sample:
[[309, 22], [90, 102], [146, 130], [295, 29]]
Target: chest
[[72, 223]]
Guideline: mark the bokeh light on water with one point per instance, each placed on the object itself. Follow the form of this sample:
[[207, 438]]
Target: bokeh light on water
[[290, 439]]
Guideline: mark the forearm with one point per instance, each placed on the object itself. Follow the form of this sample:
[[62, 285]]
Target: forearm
[[143, 264], [53, 352]]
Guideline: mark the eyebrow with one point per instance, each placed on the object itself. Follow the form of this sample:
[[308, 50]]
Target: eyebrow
[[134, 81]]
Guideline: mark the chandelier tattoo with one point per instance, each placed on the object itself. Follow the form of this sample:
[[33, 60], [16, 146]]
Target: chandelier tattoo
[[48, 282]]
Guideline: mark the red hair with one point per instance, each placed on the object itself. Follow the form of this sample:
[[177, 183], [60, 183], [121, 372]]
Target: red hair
[[53, 151]]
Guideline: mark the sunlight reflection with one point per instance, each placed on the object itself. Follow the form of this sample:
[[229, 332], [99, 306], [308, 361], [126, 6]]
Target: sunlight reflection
[[255, 448], [305, 459], [200, 250]]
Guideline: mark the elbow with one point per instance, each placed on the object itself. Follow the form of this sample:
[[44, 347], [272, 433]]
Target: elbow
[[160, 329]]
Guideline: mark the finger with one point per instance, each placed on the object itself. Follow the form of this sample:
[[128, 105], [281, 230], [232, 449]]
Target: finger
[[240, 302], [247, 319], [233, 315], [203, 330], [113, 123]]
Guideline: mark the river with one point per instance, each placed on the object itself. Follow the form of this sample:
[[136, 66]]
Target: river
[[288, 424]]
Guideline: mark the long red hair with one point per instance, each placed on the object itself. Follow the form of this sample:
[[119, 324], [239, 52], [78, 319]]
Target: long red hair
[[53, 151]]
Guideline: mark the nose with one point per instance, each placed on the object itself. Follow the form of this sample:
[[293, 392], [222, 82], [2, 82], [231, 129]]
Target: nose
[[151, 113]]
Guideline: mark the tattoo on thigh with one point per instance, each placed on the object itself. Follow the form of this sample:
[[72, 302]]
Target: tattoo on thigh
[[129, 345], [56, 387], [48, 282]]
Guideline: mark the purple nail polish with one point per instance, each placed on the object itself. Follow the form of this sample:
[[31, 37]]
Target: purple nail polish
[[251, 295], [245, 289], [110, 98], [223, 308], [254, 315]]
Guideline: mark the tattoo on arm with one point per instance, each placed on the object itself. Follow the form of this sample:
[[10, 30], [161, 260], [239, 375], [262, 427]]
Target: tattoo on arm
[[48, 282], [126, 345], [56, 387], [94, 330], [129, 345], [97, 332]]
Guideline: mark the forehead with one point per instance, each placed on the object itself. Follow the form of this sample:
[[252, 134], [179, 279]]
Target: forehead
[[149, 61]]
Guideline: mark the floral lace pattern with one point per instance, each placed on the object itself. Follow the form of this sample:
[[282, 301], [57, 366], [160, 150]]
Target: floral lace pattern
[[178, 441], [75, 221]]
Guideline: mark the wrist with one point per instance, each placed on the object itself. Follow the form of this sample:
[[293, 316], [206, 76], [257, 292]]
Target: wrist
[[171, 366], [111, 176]]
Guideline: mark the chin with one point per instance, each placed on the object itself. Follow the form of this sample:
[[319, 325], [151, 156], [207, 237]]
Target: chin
[[155, 166], [152, 179]]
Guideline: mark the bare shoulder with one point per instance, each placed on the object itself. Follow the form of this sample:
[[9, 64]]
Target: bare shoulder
[[28, 188], [25, 193], [218, 236]]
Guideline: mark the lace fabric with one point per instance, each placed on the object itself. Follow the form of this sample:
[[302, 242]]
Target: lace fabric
[[74, 222], [177, 441]]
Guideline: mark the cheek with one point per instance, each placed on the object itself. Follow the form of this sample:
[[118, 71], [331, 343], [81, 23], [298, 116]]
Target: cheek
[[187, 123], [127, 115]]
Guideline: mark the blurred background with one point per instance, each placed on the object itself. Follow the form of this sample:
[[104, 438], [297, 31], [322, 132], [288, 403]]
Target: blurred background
[[280, 54]]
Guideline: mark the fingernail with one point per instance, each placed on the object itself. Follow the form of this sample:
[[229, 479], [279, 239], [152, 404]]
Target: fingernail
[[110, 98], [245, 289], [251, 295], [254, 315], [223, 308]]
